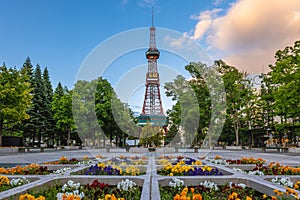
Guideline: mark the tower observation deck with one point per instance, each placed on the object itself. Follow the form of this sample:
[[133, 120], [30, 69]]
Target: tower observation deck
[[152, 111]]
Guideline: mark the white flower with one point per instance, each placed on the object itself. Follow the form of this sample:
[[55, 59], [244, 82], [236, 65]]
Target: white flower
[[19, 181], [258, 173], [126, 185], [70, 186], [176, 183], [70, 182], [210, 185], [242, 185], [61, 171], [64, 187], [284, 181], [239, 170], [59, 196], [216, 161]]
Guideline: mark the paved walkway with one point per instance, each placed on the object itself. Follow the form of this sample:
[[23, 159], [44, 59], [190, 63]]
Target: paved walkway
[[49, 155]]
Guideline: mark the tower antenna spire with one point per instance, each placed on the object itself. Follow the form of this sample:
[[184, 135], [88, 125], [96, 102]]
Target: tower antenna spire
[[152, 17]]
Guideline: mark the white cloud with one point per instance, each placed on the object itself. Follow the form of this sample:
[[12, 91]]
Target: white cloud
[[217, 2], [250, 32], [205, 19], [183, 42]]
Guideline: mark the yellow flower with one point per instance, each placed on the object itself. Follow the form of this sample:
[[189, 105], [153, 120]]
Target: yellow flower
[[110, 197], [85, 157], [248, 198], [265, 196], [171, 174], [101, 165], [30, 197], [197, 162]]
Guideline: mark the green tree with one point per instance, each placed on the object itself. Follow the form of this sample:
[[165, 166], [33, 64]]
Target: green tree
[[151, 136], [28, 68], [200, 103], [59, 90], [62, 108], [38, 117], [237, 95], [50, 123], [83, 108], [15, 98], [284, 81], [26, 126]]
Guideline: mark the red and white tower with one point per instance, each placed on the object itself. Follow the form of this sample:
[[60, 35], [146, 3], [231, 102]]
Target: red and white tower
[[152, 108]]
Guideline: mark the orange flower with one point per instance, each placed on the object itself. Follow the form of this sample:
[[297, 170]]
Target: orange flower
[[177, 197], [274, 198], [192, 190], [184, 191], [197, 196]]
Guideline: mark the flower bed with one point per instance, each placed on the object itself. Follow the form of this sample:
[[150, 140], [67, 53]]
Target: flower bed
[[287, 182], [246, 160], [207, 190], [72, 161], [272, 169], [242, 161], [32, 169], [8, 183], [179, 159], [88, 189], [123, 160], [216, 189], [188, 170], [103, 169]]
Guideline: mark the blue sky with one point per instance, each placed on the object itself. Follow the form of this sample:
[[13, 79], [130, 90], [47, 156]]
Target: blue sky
[[59, 34]]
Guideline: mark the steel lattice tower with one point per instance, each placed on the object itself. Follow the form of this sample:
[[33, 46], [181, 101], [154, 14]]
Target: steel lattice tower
[[152, 108]]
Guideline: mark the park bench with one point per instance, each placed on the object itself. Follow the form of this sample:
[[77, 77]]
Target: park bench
[[27, 149], [279, 149], [219, 147]]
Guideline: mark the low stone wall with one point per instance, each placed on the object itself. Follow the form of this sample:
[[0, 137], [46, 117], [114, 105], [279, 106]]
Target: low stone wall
[[165, 150], [233, 147], [138, 150], [294, 150], [9, 149]]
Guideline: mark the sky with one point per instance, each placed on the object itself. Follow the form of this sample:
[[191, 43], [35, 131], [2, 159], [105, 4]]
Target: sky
[[60, 35]]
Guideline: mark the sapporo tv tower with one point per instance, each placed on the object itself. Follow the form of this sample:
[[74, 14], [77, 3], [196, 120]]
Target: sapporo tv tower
[[152, 111]]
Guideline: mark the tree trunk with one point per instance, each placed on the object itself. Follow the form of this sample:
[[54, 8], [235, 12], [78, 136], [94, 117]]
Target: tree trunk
[[1, 128], [209, 140], [69, 136], [236, 129], [237, 134]]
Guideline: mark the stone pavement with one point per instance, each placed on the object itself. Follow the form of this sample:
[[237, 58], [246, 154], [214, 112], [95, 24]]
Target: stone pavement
[[49, 155]]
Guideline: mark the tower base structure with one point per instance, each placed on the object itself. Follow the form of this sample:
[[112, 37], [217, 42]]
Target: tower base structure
[[154, 120]]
